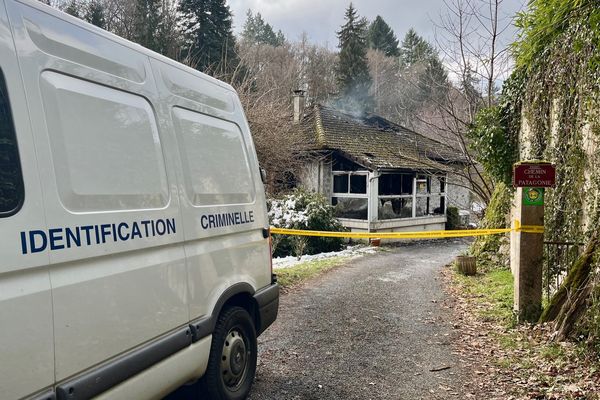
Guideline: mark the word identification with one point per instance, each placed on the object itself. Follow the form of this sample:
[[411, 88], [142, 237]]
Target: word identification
[[36, 241]]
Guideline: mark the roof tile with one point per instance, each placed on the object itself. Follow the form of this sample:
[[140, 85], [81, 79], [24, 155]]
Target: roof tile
[[374, 142]]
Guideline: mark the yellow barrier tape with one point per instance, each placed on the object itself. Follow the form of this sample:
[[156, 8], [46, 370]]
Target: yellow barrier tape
[[410, 235]]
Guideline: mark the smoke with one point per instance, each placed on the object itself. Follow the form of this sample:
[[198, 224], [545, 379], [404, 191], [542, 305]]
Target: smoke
[[354, 102]]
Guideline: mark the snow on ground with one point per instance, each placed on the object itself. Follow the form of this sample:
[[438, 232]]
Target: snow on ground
[[350, 251]]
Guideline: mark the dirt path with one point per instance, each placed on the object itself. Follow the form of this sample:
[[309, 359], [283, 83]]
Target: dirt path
[[378, 328]]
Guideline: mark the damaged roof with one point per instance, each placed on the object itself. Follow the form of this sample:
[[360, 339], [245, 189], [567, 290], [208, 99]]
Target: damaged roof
[[374, 142]]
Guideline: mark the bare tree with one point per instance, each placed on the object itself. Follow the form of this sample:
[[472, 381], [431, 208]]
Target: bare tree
[[470, 39], [264, 80], [317, 71], [384, 72]]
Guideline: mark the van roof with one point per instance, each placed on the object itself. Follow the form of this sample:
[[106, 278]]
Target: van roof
[[117, 39]]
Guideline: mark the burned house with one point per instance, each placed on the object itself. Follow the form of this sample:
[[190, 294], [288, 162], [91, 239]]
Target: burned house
[[379, 176]]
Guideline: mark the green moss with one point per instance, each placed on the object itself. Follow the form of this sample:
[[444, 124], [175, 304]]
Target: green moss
[[487, 248], [575, 280], [552, 351], [557, 52]]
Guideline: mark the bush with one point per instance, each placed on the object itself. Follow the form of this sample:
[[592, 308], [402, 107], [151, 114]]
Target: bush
[[452, 218], [307, 211], [492, 250]]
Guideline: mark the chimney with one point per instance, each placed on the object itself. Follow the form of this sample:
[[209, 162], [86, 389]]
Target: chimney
[[299, 101]]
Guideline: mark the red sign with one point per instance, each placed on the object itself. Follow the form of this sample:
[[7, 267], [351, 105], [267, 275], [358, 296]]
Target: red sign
[[536, 175]]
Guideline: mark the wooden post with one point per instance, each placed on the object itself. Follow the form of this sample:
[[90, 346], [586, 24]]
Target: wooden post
[[466, 265], [526, 259]]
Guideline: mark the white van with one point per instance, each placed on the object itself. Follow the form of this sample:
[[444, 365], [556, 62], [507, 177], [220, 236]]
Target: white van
[[134, 242]]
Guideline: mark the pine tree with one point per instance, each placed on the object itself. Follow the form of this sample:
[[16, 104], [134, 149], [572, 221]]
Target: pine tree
[[353, 71], [95, 14], [168, 37], [381, 37], [209, 44], [146, 23], [414, 49], [73, 9], [257, 31], [417, 53]]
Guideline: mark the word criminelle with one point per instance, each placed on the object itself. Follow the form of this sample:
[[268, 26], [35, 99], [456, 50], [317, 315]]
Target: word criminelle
[[210, 221]]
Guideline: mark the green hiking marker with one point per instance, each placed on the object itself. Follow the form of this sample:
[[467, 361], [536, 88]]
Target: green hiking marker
[[533, 196]]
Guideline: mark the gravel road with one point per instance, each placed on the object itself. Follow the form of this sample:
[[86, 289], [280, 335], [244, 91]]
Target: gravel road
[[377, 328]]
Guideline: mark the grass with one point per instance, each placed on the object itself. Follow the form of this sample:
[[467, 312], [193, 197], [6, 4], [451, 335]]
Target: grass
[[523, 353], [299, 273], [493, 293]]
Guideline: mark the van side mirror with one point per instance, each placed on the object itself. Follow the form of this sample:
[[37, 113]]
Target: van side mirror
[[263, 176]]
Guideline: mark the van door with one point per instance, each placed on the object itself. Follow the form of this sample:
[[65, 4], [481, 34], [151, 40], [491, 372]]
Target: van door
[[114, 232], [26, 340], [222, 199]]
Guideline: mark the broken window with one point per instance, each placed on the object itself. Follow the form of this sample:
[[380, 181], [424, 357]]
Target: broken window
[[348, 207], [340, 183], [393, 208], [358, 184], [350, 183], [394, 184], [397, 200], [350, 194], [430, 198]]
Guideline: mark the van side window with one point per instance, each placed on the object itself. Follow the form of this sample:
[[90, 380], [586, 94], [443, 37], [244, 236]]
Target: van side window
[[11, 179], [215, 163], [106, 148]]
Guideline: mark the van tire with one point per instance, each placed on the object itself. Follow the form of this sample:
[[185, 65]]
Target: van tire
[[232, 361]]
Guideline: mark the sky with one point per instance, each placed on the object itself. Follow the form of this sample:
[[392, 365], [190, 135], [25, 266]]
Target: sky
[[320, 19]]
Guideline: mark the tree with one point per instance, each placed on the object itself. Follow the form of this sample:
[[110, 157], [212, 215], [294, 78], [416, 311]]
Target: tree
[[414, 49], [168, 36], [147, 19], [318, 70], [209, 44], [381, 37], [95, 14], [73, 8], [257, 31], [385, 90], [423, 78], [353, 70], [469, 35]]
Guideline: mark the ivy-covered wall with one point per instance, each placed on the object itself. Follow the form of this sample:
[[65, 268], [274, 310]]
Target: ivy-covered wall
[[558, 56]]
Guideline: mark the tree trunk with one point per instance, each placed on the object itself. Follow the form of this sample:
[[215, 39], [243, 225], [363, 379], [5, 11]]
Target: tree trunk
[[571, 311], [569, 302]]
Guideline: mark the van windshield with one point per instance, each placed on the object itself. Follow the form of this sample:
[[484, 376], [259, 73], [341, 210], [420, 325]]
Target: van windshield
[[11, 181]]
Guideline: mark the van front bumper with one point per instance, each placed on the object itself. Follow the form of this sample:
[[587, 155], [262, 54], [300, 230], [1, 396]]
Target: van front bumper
[[267, 299]]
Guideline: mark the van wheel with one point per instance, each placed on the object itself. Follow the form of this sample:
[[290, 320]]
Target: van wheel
[[232, 361]]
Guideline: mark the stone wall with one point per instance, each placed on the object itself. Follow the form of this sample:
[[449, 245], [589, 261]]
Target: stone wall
[[457, 194], [316, 176]]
